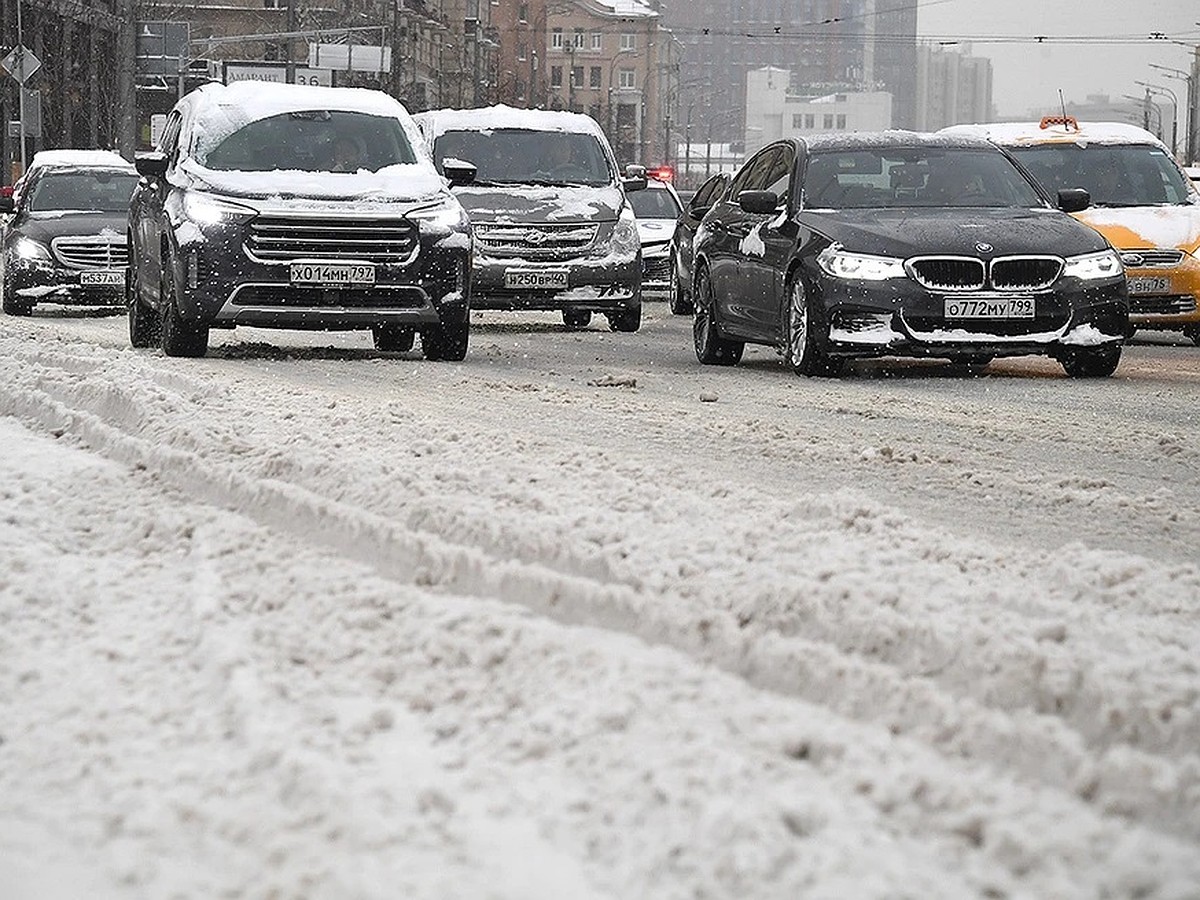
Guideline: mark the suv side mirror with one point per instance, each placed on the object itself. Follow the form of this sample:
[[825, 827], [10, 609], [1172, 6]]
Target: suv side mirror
[[635, 178], [458, 172], [760, 202], [151, 165], [1074, 200]]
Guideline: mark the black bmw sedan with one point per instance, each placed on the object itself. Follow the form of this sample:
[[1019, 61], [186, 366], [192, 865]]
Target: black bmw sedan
[[834, 247]]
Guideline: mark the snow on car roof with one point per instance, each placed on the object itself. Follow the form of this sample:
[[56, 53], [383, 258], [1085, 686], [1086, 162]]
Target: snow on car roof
[[497, 117], [92, 159], [628, 7], [1017, 134], [850, 140]]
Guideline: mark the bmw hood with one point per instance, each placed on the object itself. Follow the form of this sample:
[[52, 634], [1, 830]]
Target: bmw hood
[[537, 205], [902, 233], [1147, 227], [46, 226]]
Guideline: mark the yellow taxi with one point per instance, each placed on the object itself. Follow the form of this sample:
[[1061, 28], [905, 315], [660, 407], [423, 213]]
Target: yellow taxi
[[1141, 201]]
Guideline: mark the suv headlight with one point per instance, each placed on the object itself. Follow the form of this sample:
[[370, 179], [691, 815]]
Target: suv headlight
[[1094, 266], [625, 239], [31, 251], [204, 209], [840, 263], [441, 219]]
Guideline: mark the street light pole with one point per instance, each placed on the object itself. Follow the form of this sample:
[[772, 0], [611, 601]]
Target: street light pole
[[1190, 133], [21, 93], [1161, 91]]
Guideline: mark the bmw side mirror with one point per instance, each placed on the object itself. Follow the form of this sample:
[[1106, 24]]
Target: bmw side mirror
[[151, 165], [635, 178], [458, 172], [760, 202], [1074, 200]]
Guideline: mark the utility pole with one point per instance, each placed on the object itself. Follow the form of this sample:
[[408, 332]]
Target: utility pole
[[21, 93], [290, 68]]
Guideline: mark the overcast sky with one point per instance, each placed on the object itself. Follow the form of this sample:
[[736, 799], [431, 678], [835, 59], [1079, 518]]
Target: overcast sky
[[1028, 75]]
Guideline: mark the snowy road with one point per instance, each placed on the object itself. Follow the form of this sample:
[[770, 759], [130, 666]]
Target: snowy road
[[305, 620]]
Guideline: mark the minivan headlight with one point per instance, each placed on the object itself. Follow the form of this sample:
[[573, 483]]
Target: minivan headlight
[[840, 263], [204, 209], [31, 251], [1094, 266], [625, 239]]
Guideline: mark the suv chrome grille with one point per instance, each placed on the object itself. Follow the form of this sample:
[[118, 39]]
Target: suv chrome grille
[[90, 252], [547, 241], [1025, 273], [1151, 259], [947, 273], [279, 239]]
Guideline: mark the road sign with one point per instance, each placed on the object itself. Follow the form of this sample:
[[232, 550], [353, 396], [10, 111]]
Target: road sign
[[20, 64], [162, 47]]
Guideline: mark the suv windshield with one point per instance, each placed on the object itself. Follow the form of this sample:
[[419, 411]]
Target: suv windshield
[[1115, 175], [92, 191], [518, 156], [313, 141], [654, 203], [915, 177]]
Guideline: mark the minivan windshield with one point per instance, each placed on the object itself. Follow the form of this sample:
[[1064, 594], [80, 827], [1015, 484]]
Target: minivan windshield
[[317, 140], [901, 177], [93, 191], [523, 156], [1114, 174]]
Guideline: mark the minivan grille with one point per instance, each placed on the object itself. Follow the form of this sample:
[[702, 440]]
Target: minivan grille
[[279, 239], [1025, 273], [947, 273], [90, 252], [1151, 259], [546, 241]]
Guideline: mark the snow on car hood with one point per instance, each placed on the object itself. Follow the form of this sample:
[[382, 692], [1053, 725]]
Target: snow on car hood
[[903, 233], [655, 231], [1145, 227], [401, 182], [529, 204]]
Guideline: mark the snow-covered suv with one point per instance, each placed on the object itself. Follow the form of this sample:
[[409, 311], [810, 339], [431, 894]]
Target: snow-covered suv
[[292, 206]]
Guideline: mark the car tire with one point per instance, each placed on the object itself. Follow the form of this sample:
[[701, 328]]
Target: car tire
[[575, 319], [677, 298], [805, 337], [711, 348], [1194, 334], [11, 305], [629, 320], [1097, 363], [179, 337], [446, 342], [393, 339], [145, 326]]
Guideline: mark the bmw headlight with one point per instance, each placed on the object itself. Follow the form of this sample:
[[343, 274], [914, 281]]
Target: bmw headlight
[[1094, 266], [840, 263], [441, 219], [625, 239], [31, 251], [204, 209]]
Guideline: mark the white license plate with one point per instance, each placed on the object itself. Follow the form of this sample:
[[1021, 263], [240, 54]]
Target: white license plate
[[332, 273], [1149, 285], [990, 308], [535, 278], [106, 279]]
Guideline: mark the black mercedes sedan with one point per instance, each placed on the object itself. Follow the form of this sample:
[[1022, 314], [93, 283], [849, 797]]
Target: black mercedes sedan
[[834, 247]]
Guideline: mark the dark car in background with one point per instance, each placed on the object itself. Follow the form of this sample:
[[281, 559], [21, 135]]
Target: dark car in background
[[679, 294], [553, 227], [64, 241], [289, 206], [899, 244]]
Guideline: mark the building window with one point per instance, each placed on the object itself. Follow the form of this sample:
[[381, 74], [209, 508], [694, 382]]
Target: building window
[[577, 39], [522, 51], [556, 76], [577, 77], [828, 126], [627, 79], [595, 40], [523, 12], [797, 120], [841, 123], [556, 39], [594, 77], [629, 42], [810, 121]]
